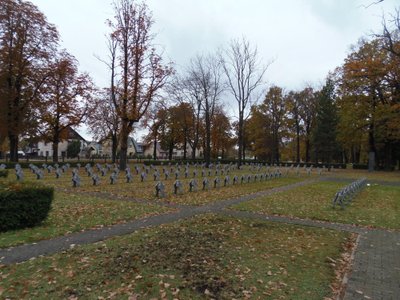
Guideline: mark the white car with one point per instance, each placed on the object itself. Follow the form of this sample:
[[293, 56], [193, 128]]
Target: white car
[[20, 153]]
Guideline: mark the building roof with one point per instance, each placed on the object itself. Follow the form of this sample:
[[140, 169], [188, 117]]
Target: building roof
[[74, 135], [138, 146]]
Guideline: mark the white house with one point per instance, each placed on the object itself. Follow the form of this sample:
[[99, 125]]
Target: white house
[[46, 148], [134, 147]]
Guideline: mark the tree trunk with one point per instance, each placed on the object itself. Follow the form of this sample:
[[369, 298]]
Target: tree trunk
[[240, 138], [308, 150], [13, 139], [372, 149], [352, 154], [277, 155], [55, 150], [207, 153], [114, 146], [298, 141], [185, 146], [194, 150], [197, 131], [123, 146], [155, 148], [170, 150], [388, 158]]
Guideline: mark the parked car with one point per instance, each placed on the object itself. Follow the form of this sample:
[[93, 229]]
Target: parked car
[[21, 154]]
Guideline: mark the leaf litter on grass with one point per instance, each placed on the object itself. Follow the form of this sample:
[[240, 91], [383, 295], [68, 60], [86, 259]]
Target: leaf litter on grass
[[205, 257]]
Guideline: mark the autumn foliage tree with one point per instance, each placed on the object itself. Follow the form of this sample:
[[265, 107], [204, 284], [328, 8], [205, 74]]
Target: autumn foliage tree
[[103, 121], [140, 72], [369, 101], [221, 136], [27, 42], [65, 99]]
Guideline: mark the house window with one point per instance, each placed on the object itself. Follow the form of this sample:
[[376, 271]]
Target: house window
[[47, 153]]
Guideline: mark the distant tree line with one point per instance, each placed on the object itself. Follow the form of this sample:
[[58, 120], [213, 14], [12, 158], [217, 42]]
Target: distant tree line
[[353, 117]]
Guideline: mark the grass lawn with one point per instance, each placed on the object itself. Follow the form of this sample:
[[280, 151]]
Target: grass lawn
[[207, 257], [375, 205], [72, 213], [377, 175], [146, 189]]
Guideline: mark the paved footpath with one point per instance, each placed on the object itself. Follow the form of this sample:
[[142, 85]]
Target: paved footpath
[[376, 266]]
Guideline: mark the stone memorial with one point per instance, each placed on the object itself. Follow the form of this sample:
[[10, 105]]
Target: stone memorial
[[129, 177], [216, 182], [76, 180], [160, 190], [205, 184], [113, 178], [96, 179], [227, 181], [143, 176], [193, 185], [177, 187]]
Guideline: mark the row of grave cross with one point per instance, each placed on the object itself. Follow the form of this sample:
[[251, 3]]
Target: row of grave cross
[[344, 196], [216, 183], [212, 169]]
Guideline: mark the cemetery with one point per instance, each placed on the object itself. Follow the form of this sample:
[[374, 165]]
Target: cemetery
[[173, 150], [95, 196]]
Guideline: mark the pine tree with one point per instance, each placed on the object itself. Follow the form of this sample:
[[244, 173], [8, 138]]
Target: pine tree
[[324, 133]]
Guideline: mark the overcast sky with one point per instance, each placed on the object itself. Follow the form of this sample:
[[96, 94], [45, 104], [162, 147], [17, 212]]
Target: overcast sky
[[305, 38]]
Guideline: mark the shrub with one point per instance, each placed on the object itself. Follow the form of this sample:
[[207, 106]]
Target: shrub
[[73, 149], [24, 205], [3, 173], [360, 167]]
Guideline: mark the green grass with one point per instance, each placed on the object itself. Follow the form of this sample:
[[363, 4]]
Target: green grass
[[72, 213], [376, 175], [146, 190], [207, 257], [376, 205]]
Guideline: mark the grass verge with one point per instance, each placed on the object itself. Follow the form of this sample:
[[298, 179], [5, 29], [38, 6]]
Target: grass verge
[[207, 257], [146, 190], [376, 205]]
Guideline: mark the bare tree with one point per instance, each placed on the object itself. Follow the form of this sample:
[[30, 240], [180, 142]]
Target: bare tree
[[141, 72], [205, 72], [186, 89], [391, 34], [104, 123], [244, 74]]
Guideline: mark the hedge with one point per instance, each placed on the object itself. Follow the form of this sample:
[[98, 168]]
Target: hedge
[[24, 205], [360, 167], [233, 161], [3, 173]]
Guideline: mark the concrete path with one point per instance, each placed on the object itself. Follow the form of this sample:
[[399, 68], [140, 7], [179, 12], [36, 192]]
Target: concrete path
[[376, 266]]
